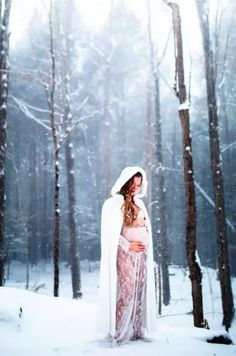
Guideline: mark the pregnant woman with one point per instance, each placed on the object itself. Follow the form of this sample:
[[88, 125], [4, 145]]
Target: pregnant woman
[[127, 294]]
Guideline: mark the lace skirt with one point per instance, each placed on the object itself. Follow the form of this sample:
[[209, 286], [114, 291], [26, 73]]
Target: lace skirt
[[131, 293]]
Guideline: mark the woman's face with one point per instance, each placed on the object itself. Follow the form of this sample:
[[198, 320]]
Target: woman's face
[[135, 187]]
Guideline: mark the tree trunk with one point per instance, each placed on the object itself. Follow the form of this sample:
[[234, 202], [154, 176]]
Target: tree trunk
[[216, 168], [51, 99], [46, 243], [4, 52], [194, 268], [70, 167], [32, 242], [65, 26], [74, 253], [158, 180]]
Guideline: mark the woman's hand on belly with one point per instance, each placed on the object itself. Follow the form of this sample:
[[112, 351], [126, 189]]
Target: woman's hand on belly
[[136, 246]]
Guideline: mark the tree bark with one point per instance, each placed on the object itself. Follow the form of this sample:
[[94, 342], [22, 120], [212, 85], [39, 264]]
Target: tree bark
[[194, 268], [70, 169], [51, 103], [4, 66], [216, 168]]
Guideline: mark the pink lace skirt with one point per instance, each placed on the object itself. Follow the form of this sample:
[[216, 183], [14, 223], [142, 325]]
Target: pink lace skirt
[[131, 289]]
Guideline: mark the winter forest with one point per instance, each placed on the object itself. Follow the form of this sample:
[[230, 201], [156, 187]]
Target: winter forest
[[88, 87]]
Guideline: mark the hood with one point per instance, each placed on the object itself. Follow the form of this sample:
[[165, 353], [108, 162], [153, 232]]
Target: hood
[[125, 175]]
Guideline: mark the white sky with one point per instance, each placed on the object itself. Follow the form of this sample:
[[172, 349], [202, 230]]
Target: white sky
[[94, 13]]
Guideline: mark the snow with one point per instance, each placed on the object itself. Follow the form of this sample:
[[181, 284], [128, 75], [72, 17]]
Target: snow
[[42, 325], [3, 106], [2, 172], [184, 106], [198, 259], [4, 76]]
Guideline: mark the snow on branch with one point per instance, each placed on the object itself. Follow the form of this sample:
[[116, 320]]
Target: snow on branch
[[85, 100], [70, 129], [232, 144], [184, 106], [35, 108], [24, 108]]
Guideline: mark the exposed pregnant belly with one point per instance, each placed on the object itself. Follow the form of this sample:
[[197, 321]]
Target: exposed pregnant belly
[[135, 234]]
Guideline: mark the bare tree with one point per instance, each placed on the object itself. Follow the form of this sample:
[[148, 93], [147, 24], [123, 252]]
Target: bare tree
[[5, 8], [158, 179], [194, 268], [216, 167]]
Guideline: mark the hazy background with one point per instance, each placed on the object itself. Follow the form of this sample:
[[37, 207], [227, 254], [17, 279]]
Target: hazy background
[[108, 56]]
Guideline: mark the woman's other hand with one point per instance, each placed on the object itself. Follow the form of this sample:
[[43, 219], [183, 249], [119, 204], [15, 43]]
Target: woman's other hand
[[136, 246]]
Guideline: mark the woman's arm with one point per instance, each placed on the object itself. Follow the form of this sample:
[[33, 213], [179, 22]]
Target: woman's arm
[[124, 243]]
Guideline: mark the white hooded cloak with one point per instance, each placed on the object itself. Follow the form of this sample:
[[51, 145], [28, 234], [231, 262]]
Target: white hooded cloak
[[111, 224]]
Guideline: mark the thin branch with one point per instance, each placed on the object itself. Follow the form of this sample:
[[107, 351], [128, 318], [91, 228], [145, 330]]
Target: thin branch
[[165, 47], [71, 129], [22, 106], [232, 144], [211, 202], [30, 106]]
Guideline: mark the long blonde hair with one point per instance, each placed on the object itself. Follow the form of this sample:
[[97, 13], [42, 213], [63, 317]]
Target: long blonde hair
[[128, 208]]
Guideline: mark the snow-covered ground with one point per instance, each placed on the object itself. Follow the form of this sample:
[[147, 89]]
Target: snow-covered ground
[[37, 324]]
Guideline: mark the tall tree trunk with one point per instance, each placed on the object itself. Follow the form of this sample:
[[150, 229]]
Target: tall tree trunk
[[70, 166], [194, 268], [4, 52], [216, 167], [158, 180], [74, 252], [46, 244], [32, 248], [50, 94]]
